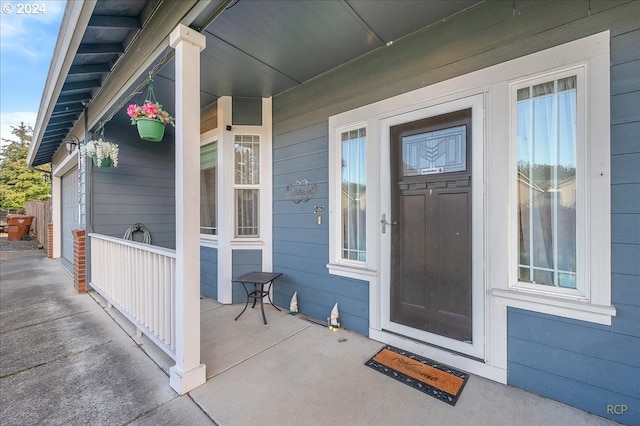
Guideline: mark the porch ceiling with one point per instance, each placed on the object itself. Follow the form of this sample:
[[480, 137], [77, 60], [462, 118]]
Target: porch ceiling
[[254, 48]]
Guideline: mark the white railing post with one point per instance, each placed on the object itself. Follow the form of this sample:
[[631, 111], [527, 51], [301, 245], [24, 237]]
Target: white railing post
[[188, 372]]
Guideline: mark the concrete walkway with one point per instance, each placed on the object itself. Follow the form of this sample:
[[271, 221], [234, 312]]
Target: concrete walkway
[[65, 359]]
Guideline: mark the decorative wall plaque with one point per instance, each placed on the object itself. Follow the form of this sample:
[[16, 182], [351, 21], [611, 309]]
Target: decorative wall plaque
[[301, 191]]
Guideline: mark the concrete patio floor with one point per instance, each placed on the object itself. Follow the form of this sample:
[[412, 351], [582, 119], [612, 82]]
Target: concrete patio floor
[[65, 359]]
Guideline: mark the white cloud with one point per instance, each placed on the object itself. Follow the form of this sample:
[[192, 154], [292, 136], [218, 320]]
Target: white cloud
[[18, 31], [14, 119]]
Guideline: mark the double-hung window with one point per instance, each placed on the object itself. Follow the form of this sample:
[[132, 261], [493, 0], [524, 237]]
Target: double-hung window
[[247, 186], [209, 189]]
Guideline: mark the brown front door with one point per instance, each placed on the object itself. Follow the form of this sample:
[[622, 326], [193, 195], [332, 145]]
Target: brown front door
[[431, 239]]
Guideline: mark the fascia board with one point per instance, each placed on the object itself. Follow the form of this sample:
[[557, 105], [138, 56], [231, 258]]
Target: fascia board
[[74, 24]]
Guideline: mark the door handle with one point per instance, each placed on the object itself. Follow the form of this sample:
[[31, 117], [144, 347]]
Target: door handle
[[384, 223]]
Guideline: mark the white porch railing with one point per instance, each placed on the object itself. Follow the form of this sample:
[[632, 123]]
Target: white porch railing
[[140, 281]]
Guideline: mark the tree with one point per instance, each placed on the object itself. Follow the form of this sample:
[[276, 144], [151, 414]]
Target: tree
[[18, 183]]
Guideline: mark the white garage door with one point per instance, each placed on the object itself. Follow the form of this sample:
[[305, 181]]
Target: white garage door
[[70, 212]]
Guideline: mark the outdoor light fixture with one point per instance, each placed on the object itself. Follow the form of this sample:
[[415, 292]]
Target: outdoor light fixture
[[71, 142]]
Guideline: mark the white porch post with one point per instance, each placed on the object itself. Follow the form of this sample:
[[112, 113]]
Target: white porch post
[[188, 373]]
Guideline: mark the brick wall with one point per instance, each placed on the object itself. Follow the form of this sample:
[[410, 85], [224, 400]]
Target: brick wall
[[79, 261], [49, 244]]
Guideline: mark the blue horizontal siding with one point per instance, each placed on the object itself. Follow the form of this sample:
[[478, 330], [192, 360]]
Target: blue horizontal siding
[[243, 261], [625, 228], [624, 47], [317, 295], [626, 137], [301, 248], [302, 235], [317, 160], [581, 364], [625, 198], [584, 396], [302, 150], [608, 375], [595, 340], [624, 168], [625, 289], [140, 190], [209, 272], [625, 77], [305, 220], [624, 259]]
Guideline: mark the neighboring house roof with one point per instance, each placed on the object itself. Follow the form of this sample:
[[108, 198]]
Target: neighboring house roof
[[254, 49]]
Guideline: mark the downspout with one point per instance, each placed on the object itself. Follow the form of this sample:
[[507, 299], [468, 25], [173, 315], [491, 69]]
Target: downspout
[[88, 200], [88, 179]]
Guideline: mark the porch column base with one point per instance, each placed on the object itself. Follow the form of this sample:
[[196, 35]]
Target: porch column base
[[185, 381]]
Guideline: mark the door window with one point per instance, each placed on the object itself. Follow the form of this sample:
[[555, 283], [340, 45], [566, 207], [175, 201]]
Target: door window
[[440, 151]]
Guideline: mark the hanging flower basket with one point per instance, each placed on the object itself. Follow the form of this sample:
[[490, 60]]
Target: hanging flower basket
[[150, 117], [104, 153], [105, 162], [150, 129]]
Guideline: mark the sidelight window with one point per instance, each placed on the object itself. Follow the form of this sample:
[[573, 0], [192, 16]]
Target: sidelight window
[[354, 194], [547, 182]]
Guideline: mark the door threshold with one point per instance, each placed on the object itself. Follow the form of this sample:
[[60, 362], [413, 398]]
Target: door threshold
[[476, 366], [431, 345]]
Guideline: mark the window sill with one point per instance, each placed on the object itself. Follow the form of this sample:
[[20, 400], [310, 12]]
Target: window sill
[[247, 242], [351, 271], [562, 307], [208, 242]]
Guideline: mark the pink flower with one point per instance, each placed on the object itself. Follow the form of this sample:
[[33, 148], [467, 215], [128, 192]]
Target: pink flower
[[133, 110], [150, 110]]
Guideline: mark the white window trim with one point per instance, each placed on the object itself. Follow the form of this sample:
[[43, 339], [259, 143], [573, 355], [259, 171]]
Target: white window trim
[[207, 138], [591, 301], [337, 265]]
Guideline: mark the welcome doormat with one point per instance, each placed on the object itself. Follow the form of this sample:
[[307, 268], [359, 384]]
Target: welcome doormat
[[438, 380]]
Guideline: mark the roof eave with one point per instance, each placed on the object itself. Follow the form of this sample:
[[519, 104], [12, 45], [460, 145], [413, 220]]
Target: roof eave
[[74, 24]]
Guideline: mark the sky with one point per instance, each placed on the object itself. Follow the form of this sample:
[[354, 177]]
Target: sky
[[27, 41]]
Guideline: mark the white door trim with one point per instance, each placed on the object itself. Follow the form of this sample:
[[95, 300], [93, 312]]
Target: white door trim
[[475, 349]]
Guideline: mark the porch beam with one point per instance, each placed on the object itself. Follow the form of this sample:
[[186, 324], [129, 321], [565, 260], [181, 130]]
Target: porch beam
[[80, 85], [104, 21], [188, 373], [89, 69], [98, 48]]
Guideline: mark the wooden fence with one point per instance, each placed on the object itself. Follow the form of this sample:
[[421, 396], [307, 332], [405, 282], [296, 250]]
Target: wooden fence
[[41, 212]]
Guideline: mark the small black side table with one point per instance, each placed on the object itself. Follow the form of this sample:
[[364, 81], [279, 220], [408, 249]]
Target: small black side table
[[259, 281]]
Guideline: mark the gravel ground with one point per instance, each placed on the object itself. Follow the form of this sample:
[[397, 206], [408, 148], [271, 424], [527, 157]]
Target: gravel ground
[[6, 245]]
